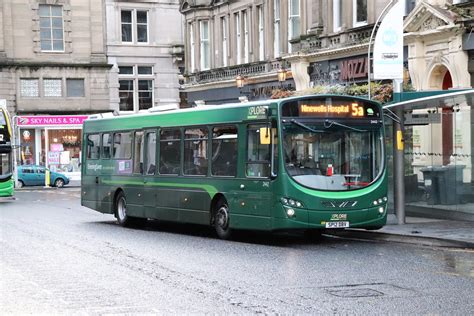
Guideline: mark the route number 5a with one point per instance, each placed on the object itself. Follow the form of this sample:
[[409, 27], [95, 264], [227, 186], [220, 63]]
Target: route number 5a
[[357, 110]]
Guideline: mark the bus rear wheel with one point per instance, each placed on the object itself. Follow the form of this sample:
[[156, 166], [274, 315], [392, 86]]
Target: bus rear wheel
[[222, 220], [121, 212]]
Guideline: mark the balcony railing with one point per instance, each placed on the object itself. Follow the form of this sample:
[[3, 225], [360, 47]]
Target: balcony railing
[[231, 72], [320, 43]]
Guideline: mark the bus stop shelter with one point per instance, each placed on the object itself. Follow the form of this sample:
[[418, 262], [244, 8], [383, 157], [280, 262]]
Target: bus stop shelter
[[432, 137]]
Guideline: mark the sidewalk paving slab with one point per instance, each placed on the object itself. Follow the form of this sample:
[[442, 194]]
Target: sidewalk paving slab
[[422, 231]]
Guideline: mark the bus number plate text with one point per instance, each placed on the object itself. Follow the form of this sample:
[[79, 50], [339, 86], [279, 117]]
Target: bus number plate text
[[337, 224]]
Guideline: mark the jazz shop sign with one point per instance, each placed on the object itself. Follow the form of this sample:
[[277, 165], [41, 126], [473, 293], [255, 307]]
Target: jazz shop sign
[[57, 120]]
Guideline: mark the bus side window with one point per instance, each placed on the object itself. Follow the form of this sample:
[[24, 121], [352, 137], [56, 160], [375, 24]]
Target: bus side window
[[224, 151], [258, 154], [150, 153], [122, 145], [138, 145], [170, 153], [195, 151], [106, 146], [93, 146]]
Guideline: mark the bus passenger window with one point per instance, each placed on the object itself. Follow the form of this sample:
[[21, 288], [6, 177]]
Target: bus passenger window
[[258, 154], [122, 145], [138, 145], [106, 146], [195, 151], [170, 153], [224, 151], [93, 146], [150, 153]]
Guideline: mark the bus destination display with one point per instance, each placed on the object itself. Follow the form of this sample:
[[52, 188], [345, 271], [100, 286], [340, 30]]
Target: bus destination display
[[338, 109]]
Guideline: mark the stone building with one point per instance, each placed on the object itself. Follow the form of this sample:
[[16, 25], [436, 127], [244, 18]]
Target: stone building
[[144, 45], [62, 60], [53, 62], [246, 39]]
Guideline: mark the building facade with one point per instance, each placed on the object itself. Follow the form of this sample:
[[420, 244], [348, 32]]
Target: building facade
[[53, 62], [62, 60], [144, 45], [246, 39]]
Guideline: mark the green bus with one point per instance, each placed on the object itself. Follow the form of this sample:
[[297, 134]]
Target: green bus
[[307, 163], [6, 157]]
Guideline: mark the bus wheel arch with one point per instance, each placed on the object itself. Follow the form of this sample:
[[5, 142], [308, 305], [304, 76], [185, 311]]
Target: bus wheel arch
[[220, 217]]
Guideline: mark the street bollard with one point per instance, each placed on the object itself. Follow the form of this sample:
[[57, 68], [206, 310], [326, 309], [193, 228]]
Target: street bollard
[[47, 178]]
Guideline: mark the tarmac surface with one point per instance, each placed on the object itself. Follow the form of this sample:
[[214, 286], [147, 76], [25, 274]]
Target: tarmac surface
[[416, 230]]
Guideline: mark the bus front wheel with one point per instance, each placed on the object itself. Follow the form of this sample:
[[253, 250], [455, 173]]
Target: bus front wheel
[[222, 220]]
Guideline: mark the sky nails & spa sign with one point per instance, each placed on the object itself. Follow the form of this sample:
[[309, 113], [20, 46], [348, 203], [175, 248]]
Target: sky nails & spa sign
[[50, 120]]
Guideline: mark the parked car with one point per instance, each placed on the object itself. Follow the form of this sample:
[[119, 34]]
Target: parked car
[[35, 175]]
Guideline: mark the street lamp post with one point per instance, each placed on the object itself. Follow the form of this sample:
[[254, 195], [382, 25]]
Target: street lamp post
[[281, 77], [240, 83]]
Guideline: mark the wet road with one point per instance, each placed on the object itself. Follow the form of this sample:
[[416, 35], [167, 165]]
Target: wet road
[[58, 257]]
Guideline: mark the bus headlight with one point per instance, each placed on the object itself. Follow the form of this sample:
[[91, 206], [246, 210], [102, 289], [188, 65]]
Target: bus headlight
[[380, 201], [291, 202], [381, 209], [290, 212]]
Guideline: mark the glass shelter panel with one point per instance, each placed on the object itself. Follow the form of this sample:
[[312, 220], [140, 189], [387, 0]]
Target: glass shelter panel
[[438, 162]]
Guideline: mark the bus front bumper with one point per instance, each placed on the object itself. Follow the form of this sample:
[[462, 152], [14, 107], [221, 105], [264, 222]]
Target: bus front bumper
[[313, 219]]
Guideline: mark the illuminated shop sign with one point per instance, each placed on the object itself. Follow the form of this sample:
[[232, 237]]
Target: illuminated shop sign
[[57, 120]]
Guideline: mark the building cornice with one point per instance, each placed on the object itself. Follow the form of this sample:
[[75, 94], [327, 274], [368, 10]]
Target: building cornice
[[37, 64], [340, 52]]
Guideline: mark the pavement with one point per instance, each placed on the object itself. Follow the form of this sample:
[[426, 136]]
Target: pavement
[[421, 231], [416, 230]]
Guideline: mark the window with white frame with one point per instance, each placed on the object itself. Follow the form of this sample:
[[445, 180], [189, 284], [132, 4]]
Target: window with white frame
[[336, 15], [205, 45], [52, 87], [135, 87], [293, 20], [192, 48], [246, 36], [276, 28], [134, 25], [29, 87], [238, 38], [261, 34], [359, 11], [224, 40], [51, 28]]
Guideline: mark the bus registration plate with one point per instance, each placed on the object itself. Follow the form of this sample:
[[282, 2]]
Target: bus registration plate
[[337, 224]]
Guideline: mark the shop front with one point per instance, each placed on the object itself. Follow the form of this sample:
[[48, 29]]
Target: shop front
[[51, 141]]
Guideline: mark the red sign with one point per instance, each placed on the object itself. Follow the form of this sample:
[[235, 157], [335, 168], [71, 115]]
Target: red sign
[[57, 120]]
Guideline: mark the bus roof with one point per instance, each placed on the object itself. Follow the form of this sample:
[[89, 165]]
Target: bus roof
[[200, 115]]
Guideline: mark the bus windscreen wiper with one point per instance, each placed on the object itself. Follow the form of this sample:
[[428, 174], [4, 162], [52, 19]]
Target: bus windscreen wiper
[[329, 124], [305, 127]]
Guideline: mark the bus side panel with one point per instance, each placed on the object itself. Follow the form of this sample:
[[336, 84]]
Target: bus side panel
[[194, 206], [242, 221], [105, 197], [134, 194], [166, 204], [89, 192]]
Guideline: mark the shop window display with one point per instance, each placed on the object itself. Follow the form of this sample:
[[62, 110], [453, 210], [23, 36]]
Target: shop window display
[[64, 150]]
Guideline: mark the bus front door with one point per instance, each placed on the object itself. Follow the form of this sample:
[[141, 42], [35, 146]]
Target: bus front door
[[253, 200]]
